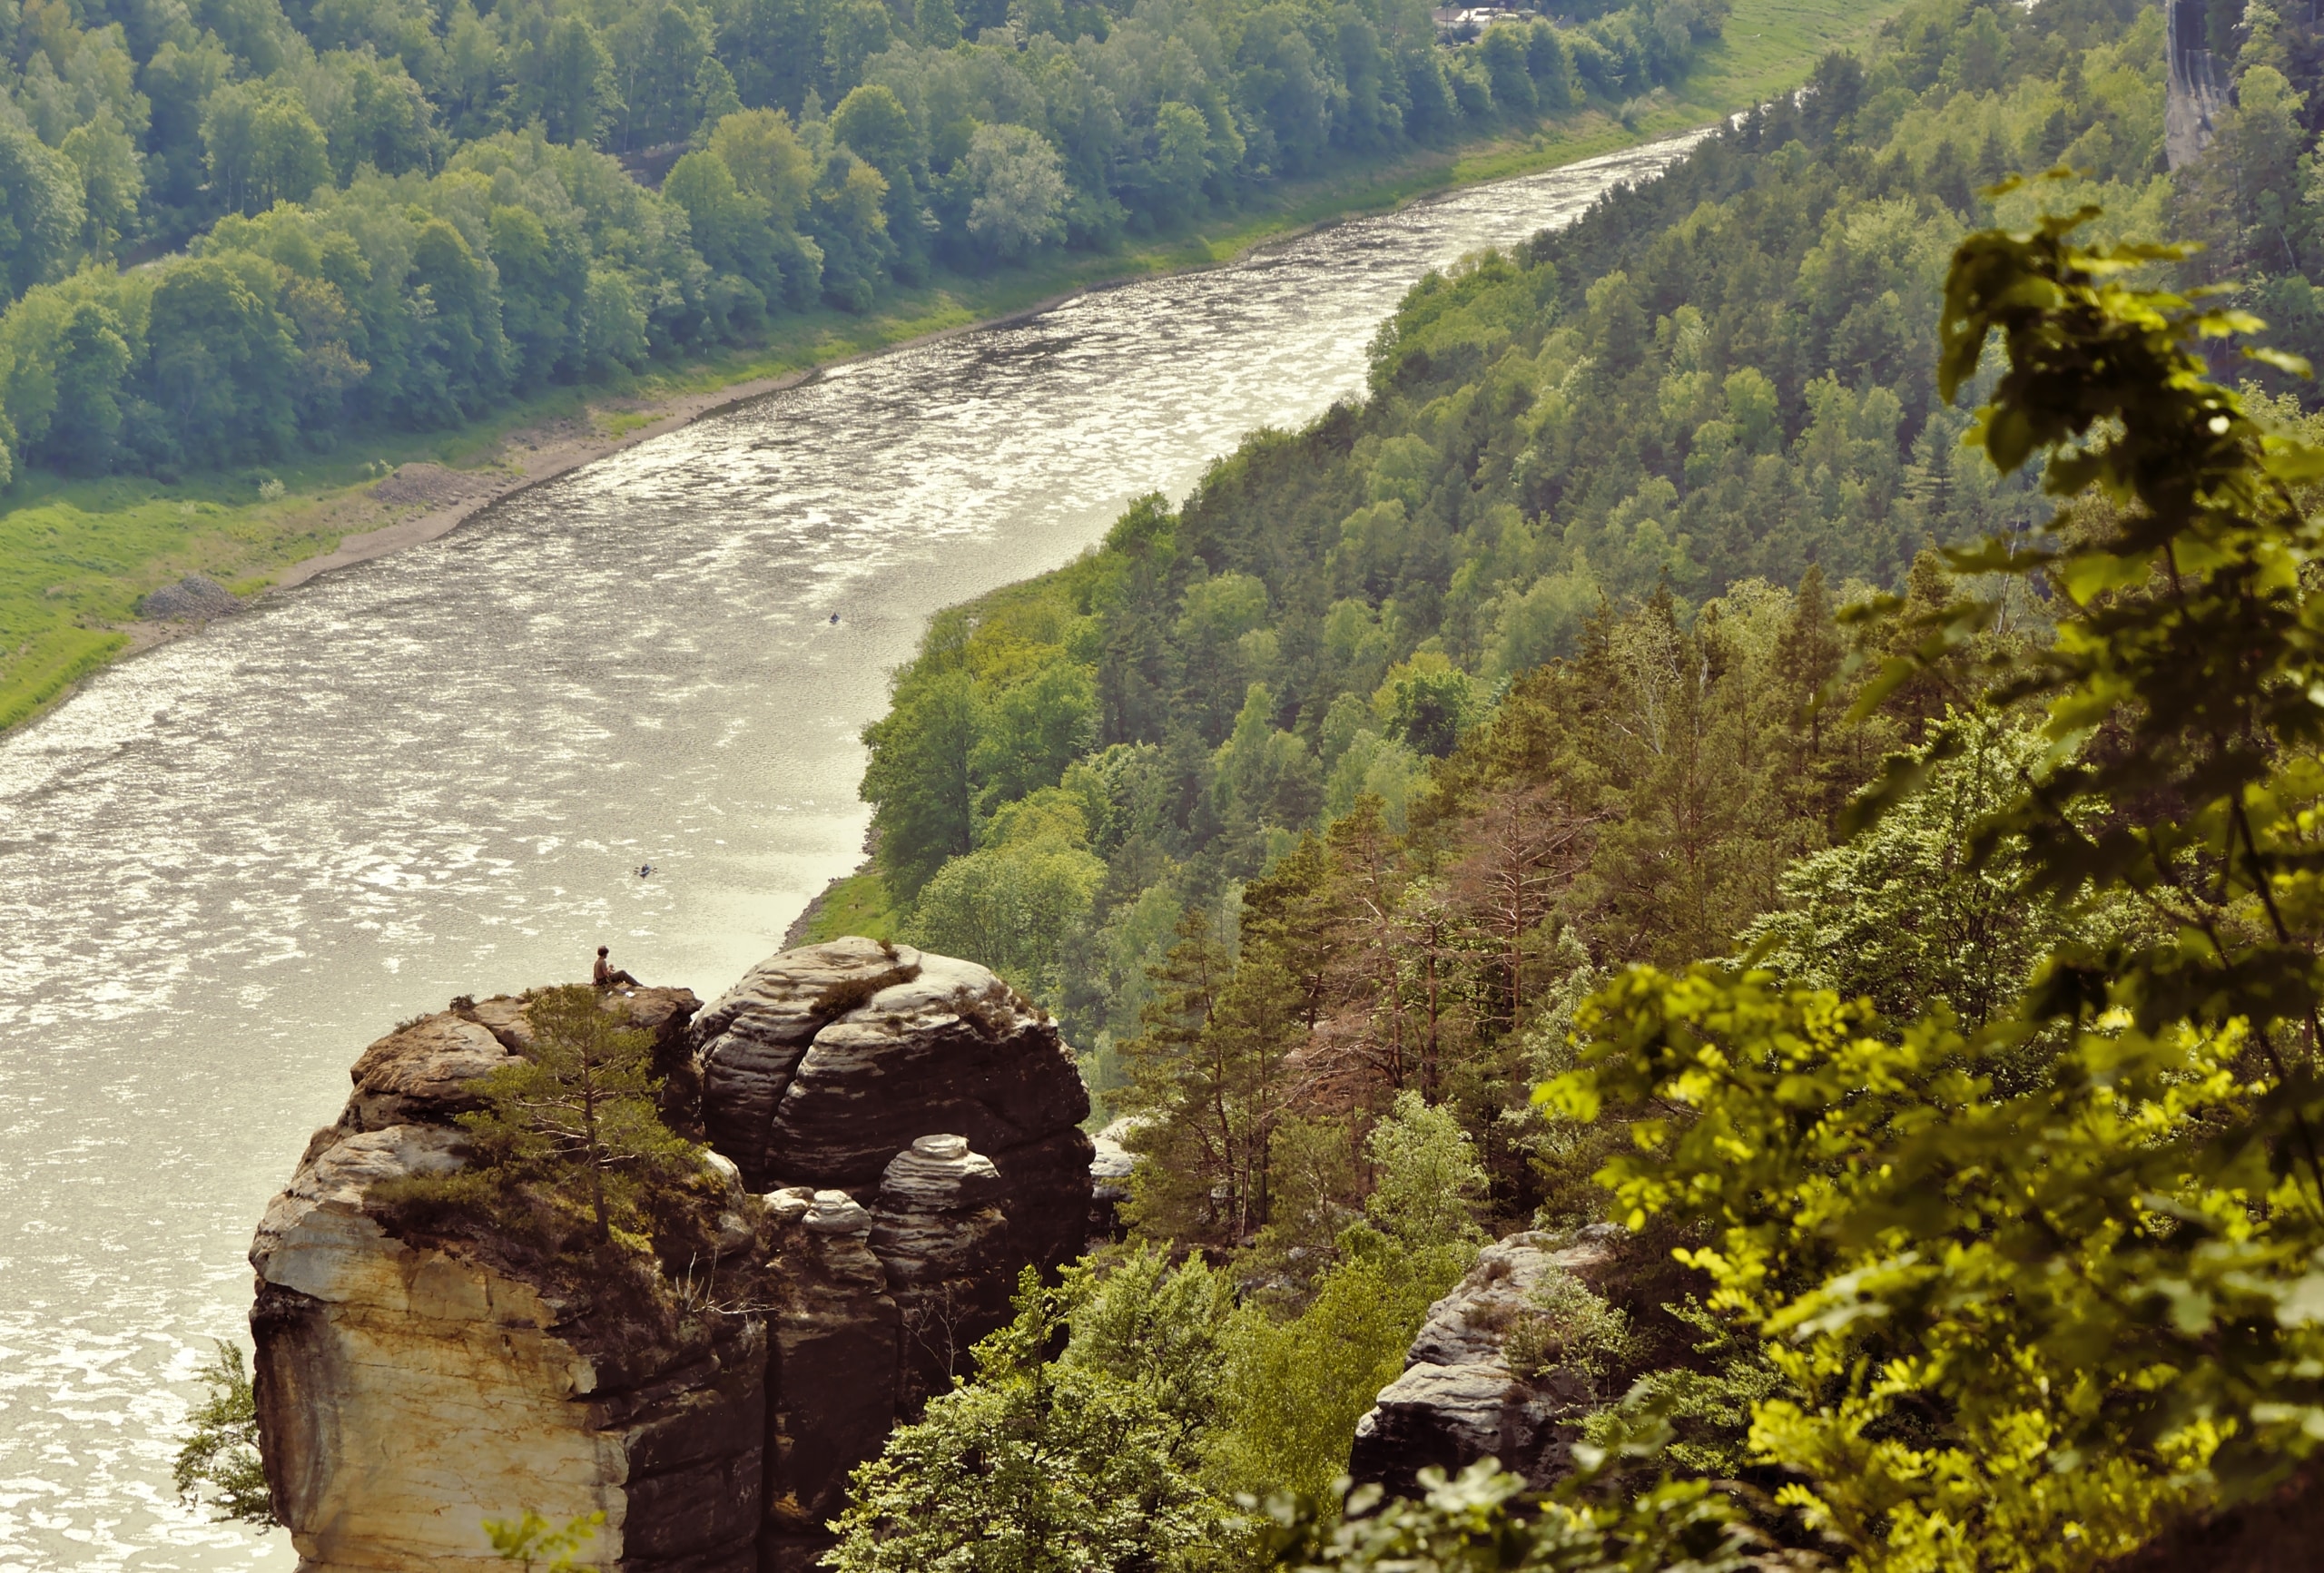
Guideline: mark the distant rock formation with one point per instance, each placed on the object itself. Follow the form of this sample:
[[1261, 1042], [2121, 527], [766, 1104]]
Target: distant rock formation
[[893, 1137], [1460, 1397], [1110, 1173]]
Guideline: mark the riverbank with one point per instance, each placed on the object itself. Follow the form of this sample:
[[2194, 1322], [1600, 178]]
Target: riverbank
[[77, 556]]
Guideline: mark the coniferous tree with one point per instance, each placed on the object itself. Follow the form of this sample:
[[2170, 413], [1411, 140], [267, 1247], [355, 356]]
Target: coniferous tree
[[221, 1449], [576, 1114]]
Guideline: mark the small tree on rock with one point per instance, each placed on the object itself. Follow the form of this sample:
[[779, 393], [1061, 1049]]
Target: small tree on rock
[[577, 1113], [221, 1449]]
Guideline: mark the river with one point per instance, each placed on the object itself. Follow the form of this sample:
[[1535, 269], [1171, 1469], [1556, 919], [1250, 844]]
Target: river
[[229, 864]]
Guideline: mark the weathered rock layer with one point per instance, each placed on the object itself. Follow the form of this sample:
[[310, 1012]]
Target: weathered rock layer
[[894, 1135], [1463, 1397]]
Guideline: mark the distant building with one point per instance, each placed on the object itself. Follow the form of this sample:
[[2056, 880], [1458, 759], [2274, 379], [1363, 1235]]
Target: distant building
[[1459, 23]]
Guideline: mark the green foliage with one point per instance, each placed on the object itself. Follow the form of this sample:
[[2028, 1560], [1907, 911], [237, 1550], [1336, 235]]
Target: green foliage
[[575, 1116], [42, 210], [1613, 448], [1565, 1326], [1707, 1403], [953, 139], [856, 905], [1205, 1073], [1016, 189], [2023, 1325], [534, 1541], [1010, 907], [1105, 1425], [1426, 704], [1998, 1148], [1428, 1179], [221, 1448], [918, 777], [1475, 1524], [1904, 914], [1297, 1387], [1088, 1461]]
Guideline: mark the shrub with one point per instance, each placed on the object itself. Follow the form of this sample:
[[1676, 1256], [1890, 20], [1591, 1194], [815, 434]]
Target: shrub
[[221, 1448]]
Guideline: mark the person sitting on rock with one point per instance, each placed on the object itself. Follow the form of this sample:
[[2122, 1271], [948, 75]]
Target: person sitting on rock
[[607, 976]]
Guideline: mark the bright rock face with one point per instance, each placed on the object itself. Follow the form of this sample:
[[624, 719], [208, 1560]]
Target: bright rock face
[[915, 1124], [410, 1391]]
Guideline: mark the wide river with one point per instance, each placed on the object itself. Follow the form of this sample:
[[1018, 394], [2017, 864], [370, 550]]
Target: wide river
[[228, 865]]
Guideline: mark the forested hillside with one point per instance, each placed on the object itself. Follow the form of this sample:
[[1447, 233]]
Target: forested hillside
[[1660, 419], [1663, 758], [2251, 201], [396, 214]]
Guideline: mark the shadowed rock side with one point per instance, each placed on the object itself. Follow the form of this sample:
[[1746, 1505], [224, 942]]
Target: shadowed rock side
[[835, 1369], [1461, 1397], [418, 1375], [936, 1230]]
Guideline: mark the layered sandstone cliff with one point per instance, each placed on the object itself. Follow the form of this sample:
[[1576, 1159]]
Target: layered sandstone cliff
[[893, 1137], [822, 1064]]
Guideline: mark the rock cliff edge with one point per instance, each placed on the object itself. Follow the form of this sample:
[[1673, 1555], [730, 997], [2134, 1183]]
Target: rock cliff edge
[[891, 1138]]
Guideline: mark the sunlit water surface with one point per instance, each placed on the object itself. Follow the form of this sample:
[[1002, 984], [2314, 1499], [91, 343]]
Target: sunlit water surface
[[227, 865]]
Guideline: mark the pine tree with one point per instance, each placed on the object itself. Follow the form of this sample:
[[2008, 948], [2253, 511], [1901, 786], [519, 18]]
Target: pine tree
[[1288, 910], [1809, 655], [1164, 1065], [1209, 1076], [577, 1113], [1363, 1055], [1524, 846]]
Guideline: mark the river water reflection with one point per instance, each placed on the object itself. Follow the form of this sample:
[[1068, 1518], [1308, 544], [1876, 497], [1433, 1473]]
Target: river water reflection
[[226, 866]]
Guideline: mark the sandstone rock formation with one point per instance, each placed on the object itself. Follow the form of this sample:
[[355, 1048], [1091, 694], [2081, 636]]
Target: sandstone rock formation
[[412, 1397], [938, 1233], [1460, 1397], [1109, 1173], [835, 1369], [912, 1125], [410, 1389], [420, 1073], [803, 1061]]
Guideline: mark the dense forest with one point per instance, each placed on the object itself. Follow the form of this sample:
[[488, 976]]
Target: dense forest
[[1628, 442], [384, 213], [1665, 755]]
